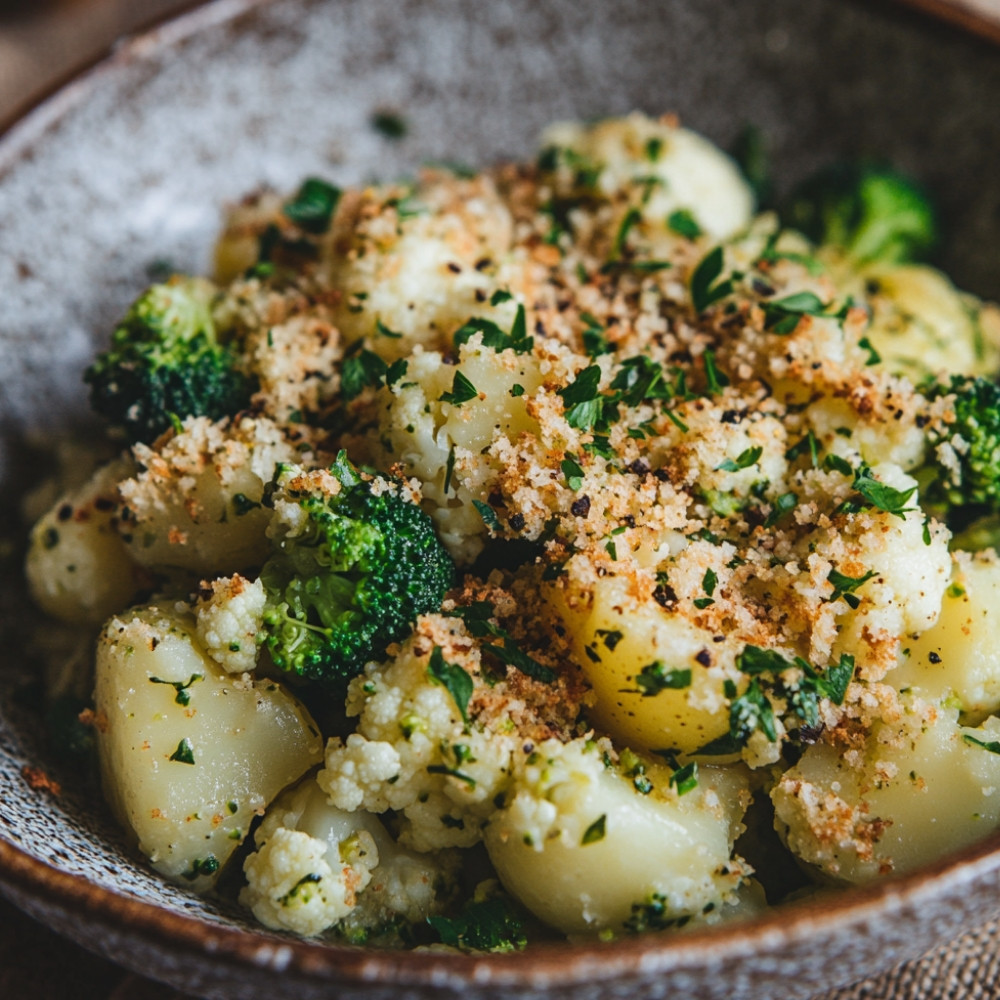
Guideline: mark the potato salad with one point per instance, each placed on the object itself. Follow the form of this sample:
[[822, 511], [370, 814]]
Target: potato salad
[[581, 547]]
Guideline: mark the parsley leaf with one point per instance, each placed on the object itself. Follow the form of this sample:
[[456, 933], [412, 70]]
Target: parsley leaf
[[683, 223], [782, 315], [184, 754], [462, 390], [655, 677], [844, 586], [877, 494], [455, 680], [360, 370], [705, 286], [596, 831], [743, 461], [313, 206], [584, 406], [495, 925], [572, 471]]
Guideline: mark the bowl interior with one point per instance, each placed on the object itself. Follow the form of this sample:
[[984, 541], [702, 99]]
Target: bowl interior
[[125, 170]]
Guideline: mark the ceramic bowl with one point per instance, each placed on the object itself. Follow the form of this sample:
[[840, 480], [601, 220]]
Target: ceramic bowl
[[128, 165]]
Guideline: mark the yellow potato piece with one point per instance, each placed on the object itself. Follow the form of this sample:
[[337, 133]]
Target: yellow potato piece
[[189, 754]]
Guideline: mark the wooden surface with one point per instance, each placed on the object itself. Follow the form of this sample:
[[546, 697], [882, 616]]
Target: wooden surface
[[42, 42]]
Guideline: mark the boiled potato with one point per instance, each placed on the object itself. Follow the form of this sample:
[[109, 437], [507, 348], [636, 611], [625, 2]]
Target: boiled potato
[[78, 569], [618, 638], [922, 324], [917, 789], [583, 849], [189, 754], [959, 656]]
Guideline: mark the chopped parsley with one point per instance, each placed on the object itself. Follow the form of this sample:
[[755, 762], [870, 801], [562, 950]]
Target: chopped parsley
[[184, 754], [751, 456], [706, 286], [495, 925], [462, 390], [453, 678], [683, 223], [390, 124], [313, 206], [655, 677], [596, 831], [844, 586], [183, 696], [361, 370]]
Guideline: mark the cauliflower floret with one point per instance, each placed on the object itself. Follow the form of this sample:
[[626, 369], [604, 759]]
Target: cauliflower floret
[[910, 568], [229, 616], [78, 569], [418, 263], [317, 866], [414, 751], [585, 849], [444, 444], [290, 885], [196, 502]]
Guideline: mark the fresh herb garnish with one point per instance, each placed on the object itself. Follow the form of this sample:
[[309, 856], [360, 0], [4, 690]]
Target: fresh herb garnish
[[596, 831], [184, 754], [360, 370], [683, 223], [495, 925], [844, 586], [462, 390], [454, 679], [742, 461], [313, 206], [706, 287], [572, 471], [181, 687], [655, 677]]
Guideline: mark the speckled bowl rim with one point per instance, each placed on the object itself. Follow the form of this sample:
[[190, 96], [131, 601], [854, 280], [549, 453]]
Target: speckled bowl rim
[[41, 888], [542, 965]]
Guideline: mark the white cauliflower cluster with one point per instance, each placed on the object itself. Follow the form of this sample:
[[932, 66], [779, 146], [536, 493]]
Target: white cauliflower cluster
[[416, 751], [229, 618], [317, 867]]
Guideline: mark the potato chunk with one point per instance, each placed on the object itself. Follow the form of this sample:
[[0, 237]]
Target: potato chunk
[[959, 657], [583, 849], [919, 787], [189, 754]]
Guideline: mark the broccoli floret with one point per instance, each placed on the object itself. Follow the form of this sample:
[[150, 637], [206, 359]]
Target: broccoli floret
[[872, 214], [166, 363], [965, 483], [355, 563]]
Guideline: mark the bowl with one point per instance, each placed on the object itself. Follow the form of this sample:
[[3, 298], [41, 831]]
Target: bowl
[[126, 168]]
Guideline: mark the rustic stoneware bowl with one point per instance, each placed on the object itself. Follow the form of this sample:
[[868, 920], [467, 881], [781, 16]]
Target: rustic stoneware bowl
[[128, 166]]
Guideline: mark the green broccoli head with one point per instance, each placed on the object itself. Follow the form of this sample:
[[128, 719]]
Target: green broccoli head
[[355, 563], [165, 363], [966, 484], [872, 214]]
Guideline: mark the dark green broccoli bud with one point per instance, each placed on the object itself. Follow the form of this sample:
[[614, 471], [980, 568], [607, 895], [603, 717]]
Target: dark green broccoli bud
[[964, 484], [355, 563], [872, 214], [166, 363]]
